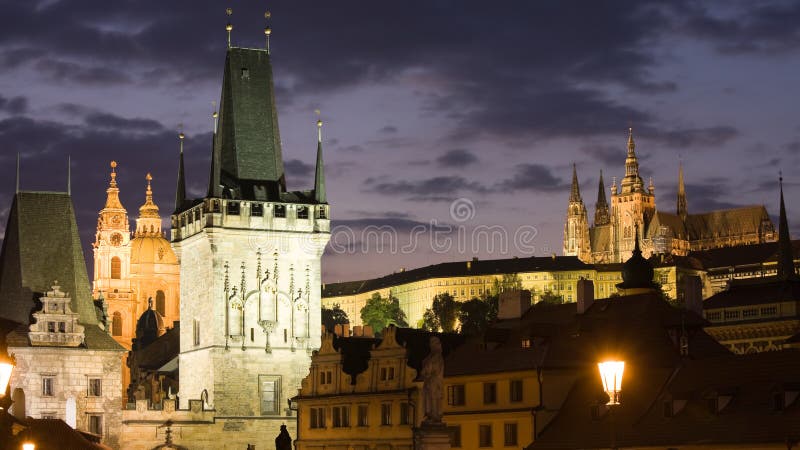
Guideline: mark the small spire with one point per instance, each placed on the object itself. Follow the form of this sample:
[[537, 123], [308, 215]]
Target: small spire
[[650, 186], [267, 29], [69, 174], [601, 215], [786, 270], [320, 194], [575, 193], [113, 182], [180, 189], [631, 143], [229, 26], [682, 209], [214, 115]]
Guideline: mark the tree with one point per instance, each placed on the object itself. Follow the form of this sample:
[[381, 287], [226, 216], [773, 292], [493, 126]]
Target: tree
[[548, 297], [442, 314], [333, 316], [508, 282], [475, 316], [380, 312]]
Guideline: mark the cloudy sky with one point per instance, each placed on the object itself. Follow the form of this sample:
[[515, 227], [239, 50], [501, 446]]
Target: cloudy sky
[[450, 126]]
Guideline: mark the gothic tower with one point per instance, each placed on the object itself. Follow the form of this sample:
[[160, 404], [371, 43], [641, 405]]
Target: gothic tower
[[682, 209], [601, 216], [632, 206], [249, 254], [112, 269], [576, 229]]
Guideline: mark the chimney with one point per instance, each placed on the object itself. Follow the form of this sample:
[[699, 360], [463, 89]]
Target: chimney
[[585, 295], [693, 294], [368, 332], [513, 304], [346, 330], [357, 331], [337, 330]]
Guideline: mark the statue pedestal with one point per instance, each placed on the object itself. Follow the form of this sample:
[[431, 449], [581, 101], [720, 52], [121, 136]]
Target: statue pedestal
[[432, 436]]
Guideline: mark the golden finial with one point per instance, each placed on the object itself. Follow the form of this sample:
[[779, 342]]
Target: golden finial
[[149, 178], [319, 125], [113, 173], [267, 29], [181, 136], [630, 139], [214, 115], [229, 26]]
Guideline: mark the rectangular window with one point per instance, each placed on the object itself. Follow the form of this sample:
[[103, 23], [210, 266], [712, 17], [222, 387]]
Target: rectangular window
[[363, 413], [484, 435], [233, 208], [386, 414], [322, 213], [256, 209], [95, 387], [405, 414], [48, 386], [489, 393], [302, 212], [510, 434], [279, 211], [455, 435], [270, 388], [196, 332], [317, 417], [62, 327], [96, 424], [455, 395], [516, 391], [341, 416], [526, 343], [51, 327]]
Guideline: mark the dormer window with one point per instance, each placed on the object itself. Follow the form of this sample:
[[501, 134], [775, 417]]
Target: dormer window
[[256, 209], [302, 212], [280, 211], [233, 208]]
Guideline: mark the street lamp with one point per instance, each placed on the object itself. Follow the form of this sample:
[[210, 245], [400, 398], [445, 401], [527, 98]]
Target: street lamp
[[6, 366], [28, 446], [611, 374]]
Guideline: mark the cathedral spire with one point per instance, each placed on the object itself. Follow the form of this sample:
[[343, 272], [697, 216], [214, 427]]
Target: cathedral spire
[[320, 195], [180, 190], [112, 193], [682, 208], [632, 181], [575, 193], [601, 214], [786, 270]]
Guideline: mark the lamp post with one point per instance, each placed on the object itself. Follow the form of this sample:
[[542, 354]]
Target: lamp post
[[611, 374]]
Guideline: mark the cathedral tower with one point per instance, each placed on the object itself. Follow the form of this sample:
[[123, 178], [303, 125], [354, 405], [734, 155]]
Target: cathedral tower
[[249, 256], [601, 216], [112, 268], [632, 206], [682, 209], [576, 229]]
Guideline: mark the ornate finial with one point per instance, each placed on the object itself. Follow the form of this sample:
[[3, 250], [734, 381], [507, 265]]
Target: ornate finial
[[149, 178], [214, 115], [631, 144], [113, 174], [319, 125], [229, 27], [267, 29], [181, 136]]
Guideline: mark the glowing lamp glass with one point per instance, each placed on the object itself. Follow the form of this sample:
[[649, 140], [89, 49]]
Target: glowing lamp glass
[[6, 366], [611, 375], [28, 446]]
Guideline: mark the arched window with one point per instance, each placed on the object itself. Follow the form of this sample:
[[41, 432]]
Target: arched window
[[116, 268], [161, 303], [116, 324]]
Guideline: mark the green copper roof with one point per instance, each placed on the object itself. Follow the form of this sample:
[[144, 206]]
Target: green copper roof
[[247, 161], [42, 245]]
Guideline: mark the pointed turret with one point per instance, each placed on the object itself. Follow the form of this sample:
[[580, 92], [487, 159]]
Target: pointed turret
[[632, 181], [246, 161], [575, 193], [180, 189], [601, 215], [320, 195], [786, 270], [149, 221], [682, 209]]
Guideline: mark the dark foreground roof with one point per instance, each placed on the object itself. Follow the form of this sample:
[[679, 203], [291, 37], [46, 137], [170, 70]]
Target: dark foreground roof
[[757, 291], [54, 434]]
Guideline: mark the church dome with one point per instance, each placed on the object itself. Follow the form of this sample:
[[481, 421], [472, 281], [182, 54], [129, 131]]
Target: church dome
[[152, 250], [149, 326]]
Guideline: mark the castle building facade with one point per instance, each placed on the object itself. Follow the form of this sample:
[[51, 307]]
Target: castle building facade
[[610, 239]]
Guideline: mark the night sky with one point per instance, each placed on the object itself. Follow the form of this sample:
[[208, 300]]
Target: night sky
[[425, 103]]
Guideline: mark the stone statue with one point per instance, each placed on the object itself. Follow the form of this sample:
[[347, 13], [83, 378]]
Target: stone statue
[[283, 441], [432, 374]]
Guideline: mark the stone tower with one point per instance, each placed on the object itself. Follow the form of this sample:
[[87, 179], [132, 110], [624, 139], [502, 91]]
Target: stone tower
[[601, 215], [249, 256], [632, 206], [576, 229], [112, 268]]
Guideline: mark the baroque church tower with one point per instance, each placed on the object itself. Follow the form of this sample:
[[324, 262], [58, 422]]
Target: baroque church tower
[[112, 263], [576, 229], [632, 205], [249, 256]]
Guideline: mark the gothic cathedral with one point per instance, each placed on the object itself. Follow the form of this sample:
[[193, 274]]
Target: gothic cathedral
[[633, 212]]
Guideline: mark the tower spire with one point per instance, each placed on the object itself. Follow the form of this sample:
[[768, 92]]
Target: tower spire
[[180, 190], [575, 193], [601, 214], [69, 174], [267, 29], [632, 181], [682, 207], [149, 221], [786, 270], [320, 196], [229, 26]]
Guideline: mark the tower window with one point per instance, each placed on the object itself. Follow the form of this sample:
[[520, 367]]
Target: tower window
[[233, 208], [161, 303], [280, 211], [245, 73], [257, 209], [116, 268], [302, 212], [116, 324]]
